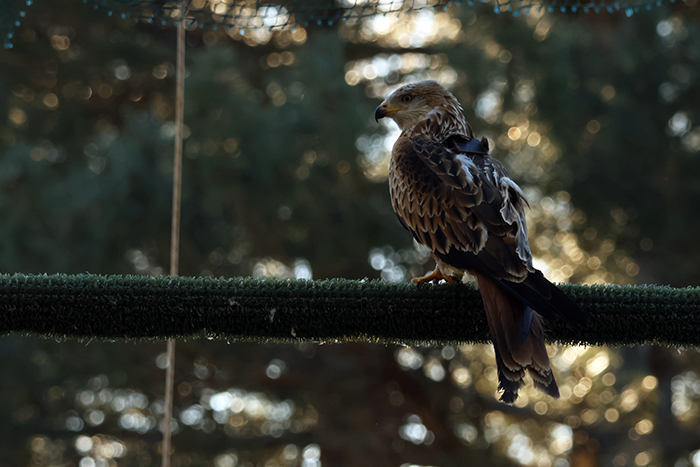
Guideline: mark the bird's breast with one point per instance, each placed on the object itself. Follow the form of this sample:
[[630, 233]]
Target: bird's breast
[[413, 185], [419, 197]]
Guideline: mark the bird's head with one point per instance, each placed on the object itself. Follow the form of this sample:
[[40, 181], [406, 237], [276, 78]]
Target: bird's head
[[411, 103]]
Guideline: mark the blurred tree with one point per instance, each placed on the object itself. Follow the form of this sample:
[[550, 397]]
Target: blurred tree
[[284, 176]]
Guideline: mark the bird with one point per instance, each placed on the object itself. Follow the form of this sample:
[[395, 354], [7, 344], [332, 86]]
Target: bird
[[460, 202]]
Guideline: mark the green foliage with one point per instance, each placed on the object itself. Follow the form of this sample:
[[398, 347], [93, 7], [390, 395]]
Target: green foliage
[[636, 176], [272, 178], [92, 190]]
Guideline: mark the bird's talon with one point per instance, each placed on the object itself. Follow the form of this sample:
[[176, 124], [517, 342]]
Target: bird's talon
[[435, 276]]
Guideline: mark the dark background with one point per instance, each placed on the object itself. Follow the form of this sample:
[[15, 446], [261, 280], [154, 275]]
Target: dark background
[[285, 175]]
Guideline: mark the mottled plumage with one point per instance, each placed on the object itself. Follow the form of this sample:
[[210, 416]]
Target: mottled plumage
[[461, 203]]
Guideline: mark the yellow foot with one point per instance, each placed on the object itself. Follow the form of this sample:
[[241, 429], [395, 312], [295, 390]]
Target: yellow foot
[[434, 277]]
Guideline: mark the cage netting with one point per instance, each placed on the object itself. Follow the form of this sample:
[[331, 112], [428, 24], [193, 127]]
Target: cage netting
[[271, 14]]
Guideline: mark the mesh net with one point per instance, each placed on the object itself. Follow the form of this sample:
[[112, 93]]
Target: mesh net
[[272, 14]]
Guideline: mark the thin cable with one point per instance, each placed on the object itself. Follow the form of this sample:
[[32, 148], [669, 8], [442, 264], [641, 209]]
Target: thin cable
[[175, 226]]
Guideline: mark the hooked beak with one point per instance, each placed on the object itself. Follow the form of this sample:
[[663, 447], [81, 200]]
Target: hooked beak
[[385, 111], [380, 112]]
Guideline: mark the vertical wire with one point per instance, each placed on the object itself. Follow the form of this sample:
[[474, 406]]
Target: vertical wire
[[175, 225]]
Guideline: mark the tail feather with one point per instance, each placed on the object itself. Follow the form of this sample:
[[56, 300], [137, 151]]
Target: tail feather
[[505, 314], [526, 323], [546, 298], [535, 290], [509, 381], [545, 385]]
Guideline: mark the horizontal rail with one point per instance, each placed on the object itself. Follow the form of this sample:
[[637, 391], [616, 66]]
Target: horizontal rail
[[87, 306]]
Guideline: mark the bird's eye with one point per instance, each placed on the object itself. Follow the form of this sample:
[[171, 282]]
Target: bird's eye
[[406, 98]]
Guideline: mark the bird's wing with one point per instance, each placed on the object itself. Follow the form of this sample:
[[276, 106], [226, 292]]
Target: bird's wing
[[465, 208], [460, 201]]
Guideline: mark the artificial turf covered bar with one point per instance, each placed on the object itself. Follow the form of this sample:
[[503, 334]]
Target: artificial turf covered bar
[[89, 306]]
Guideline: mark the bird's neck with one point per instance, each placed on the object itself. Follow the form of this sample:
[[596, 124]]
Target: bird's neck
[[441, 123]]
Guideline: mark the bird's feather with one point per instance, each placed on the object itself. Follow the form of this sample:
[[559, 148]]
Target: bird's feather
[[534, 290], [505, 314], [461, 203]]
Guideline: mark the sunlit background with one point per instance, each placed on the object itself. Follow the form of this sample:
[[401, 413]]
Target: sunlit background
[[595, 116]]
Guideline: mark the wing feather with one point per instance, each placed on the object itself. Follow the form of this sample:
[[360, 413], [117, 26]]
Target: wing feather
[[469, 195], [479, 212], [461, 203]]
